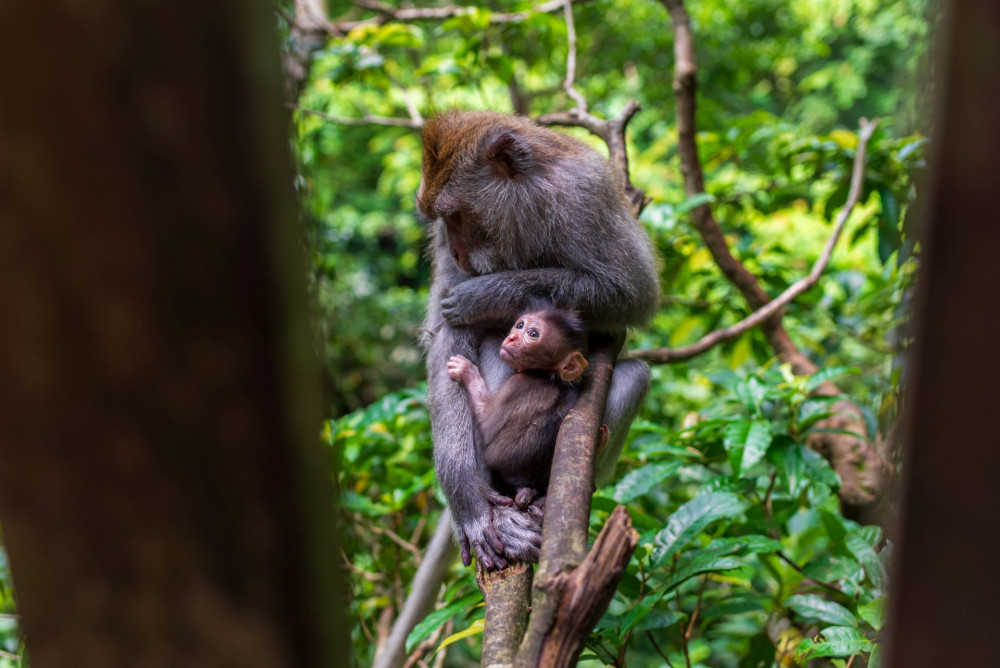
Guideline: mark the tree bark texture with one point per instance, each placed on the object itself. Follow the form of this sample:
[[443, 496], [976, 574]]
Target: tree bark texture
[[162, 490], [588, 591], [944, 598], [506, 593]]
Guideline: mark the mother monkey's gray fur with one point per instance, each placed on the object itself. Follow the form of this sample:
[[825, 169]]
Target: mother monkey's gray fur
[[520, 211]]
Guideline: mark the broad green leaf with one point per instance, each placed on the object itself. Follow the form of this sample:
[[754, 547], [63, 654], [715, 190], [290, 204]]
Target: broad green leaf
[[691, 518], [436, 618], [873, 613], [747, 442], [741, 352], [859, 545], [813, 608], [684, 330], [735, 442], [834, 641], [658, 619], [875, 660], [694, 202], [824, 375], [640, 481], [758, 440], [701, 564], [474, 628], [751, 544]]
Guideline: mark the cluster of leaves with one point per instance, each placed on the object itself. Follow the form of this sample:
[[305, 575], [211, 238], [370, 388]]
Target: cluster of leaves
[[745, 557], [755, 563], [389, 506]]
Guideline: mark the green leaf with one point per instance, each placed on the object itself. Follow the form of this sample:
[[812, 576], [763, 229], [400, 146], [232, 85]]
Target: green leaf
[[873, 612], [436, 618], [747, 443], [475, 628], [824, 375], [750, 544], [691, 518], [813, 608], [694, 202], [834, 641], [658, 619], [860, 546], [758, 440], [699, 565], [640, 481], [836, 200]]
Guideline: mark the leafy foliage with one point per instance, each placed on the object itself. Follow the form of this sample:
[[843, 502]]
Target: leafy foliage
[[745, 558]]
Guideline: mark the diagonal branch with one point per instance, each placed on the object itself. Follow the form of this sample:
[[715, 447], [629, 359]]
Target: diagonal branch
[[773, 307]]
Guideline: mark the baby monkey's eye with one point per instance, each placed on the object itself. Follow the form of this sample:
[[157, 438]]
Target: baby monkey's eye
[[533, 333], [519, 325]]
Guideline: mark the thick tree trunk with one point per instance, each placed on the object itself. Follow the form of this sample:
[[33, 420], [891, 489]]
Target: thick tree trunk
[[944, 602], [161, 486]]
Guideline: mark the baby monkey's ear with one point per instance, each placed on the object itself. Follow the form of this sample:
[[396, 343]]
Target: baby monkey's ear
[[572, 366]]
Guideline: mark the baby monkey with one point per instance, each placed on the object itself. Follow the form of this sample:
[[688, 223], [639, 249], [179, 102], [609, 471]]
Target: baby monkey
[[520, 422]]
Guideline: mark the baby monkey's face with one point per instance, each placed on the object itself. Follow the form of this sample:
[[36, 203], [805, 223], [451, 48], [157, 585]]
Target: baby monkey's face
[[536, 342]]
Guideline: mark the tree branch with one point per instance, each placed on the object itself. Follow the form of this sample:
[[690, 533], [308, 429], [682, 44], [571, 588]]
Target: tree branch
[[569, 581], [613, 134], [581, 103], [772, 308], [387, 12], [862, 470], [363, 120], [507, 593]]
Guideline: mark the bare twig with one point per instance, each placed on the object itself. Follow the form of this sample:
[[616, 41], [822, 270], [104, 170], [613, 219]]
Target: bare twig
[[613, 134], [9, 655], [826, 585], [773, 307], [388, 13], [581, 103], [364, 120], [398, 540], [656, 646]]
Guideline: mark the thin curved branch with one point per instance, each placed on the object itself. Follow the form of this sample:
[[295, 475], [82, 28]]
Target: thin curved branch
[[363, 120], [387, 12], [613, 133], [581, 103], [773, 307]]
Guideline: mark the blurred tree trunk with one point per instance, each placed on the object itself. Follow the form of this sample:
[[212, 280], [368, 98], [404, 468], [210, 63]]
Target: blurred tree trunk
[[162, 492], [944, 603]]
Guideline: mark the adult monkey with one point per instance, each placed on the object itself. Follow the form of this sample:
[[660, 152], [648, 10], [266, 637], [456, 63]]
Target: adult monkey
[[519, 212]]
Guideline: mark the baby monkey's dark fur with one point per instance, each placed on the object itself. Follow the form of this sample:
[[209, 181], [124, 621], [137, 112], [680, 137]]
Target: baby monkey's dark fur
[[520, 421]]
